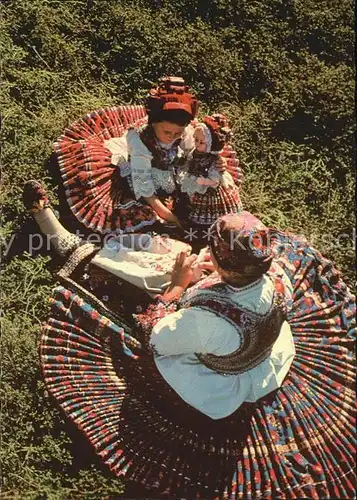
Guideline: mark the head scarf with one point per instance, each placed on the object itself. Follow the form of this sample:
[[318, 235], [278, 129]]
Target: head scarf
[[241, 244]]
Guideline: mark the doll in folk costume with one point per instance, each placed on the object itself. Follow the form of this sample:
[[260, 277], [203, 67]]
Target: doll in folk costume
[[118, 164], [208, 193]]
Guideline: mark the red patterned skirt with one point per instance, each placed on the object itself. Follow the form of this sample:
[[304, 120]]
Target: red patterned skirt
[[298, 442], [97, 195]]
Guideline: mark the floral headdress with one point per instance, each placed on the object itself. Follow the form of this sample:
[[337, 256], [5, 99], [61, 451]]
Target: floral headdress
[[171, 93], [239, 246], [217, 132]]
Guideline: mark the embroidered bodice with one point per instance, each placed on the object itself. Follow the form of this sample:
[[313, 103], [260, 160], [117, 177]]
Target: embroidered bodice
[[257, 332], [149, 166], [163, 156]]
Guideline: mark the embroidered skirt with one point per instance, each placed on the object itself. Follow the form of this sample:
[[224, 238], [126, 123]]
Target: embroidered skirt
[[98, 197], [298, 442], [204, 209]]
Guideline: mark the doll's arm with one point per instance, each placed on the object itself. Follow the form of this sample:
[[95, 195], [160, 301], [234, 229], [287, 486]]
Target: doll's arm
[[206, 181]]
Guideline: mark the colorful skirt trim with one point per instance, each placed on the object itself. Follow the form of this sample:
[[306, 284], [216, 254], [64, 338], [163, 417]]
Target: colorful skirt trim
[[298, 442], [204, 209], [98, 197]]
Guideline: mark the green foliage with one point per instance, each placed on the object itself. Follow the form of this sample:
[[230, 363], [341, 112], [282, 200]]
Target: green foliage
[[282, 72], [36, 452]]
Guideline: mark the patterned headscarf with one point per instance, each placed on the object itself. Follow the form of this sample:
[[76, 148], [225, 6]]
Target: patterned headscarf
[[241, 244]]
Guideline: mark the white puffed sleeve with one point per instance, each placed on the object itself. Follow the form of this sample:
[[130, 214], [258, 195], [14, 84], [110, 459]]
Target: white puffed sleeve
[[118, 146], [140, 161], [223, 178], [192, 330], [214, 175]]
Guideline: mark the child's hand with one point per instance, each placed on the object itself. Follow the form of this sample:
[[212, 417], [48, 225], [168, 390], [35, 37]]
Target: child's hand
[[205, 181], [181, 276], [207, 266], [162, 211], [204, 261], [183, 270], [221, 164]]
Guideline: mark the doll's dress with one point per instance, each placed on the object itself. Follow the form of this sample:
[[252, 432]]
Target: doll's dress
[[206, 193]]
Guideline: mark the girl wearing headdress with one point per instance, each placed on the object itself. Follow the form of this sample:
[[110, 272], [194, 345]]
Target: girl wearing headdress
[[208, 193], [118, 164]]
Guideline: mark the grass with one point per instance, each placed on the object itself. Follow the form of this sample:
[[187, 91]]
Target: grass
[[289, 100]]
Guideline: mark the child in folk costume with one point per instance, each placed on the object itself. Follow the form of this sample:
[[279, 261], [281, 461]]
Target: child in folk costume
[[118, 165], [210, 193], [155, 150], [175, 420]]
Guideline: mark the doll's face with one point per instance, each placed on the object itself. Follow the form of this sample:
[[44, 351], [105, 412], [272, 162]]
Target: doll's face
[[167, 132], [200, 140]]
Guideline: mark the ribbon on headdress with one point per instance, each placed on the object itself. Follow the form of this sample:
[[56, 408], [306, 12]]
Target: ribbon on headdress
[[172, 93], [217, 131], [238, 241]]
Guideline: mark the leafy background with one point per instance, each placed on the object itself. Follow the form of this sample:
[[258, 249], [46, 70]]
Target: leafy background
[[282, 70]]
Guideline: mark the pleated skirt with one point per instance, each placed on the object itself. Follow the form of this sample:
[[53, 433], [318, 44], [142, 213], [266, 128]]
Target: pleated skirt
[[205, 209], [96, 193], [298, 442]]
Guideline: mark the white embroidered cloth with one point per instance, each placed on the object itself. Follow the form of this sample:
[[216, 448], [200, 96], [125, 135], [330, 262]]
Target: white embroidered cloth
[[143, 261]]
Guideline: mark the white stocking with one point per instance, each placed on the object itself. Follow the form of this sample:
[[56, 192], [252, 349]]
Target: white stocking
[[60, 239]]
